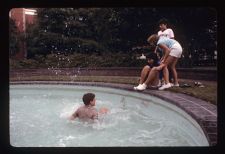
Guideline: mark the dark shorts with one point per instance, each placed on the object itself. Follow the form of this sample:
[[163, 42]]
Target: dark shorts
[[151, 66]]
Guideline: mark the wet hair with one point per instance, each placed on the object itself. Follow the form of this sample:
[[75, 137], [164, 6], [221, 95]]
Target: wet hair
[[88, 97], [154, 57], [163, 21]]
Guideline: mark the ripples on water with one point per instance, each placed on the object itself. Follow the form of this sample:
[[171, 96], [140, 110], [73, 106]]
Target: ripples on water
[[40, 118]]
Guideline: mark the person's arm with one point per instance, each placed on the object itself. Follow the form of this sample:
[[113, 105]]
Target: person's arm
[[162, 59], [73, 116], [156, 48], [97, 114], [171, 34], [103, 110], [166, 51], [94, 115]]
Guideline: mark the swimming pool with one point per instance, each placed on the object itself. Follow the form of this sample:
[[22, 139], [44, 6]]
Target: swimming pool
[[38, 118]]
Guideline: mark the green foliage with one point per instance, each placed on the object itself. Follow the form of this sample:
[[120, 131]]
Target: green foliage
[[104, 31], [69, 30], [13, 38], [79, 60], [29, 63], [14, 64]]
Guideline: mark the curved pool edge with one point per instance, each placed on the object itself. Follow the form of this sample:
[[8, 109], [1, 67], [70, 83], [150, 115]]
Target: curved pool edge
[[203, 112]]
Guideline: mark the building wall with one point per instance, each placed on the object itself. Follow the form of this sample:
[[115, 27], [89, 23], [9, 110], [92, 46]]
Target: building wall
[[17, 14], [22, 17]]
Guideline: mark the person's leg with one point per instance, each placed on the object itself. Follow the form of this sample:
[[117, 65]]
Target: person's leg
[[175, 53], [160, 54], [167, 62], [174, 71], [160, 78], [151, 76], [166, 74], [155, 82], [144, 74], [170, 75]]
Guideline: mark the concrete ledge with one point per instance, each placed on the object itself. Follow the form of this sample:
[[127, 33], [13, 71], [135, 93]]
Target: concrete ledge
[[203, 112], [184, 73]]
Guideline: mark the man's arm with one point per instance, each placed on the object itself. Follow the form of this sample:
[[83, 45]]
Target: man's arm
[[73, 116], [103, 110], [95, 116]]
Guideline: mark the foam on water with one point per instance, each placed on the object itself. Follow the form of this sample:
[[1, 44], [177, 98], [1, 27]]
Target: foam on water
[[68, 110]]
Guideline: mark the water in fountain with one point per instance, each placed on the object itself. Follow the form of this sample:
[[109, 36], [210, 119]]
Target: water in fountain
[[123, 102]]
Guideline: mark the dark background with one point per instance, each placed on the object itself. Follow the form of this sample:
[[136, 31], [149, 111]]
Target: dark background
[[4, 64], [116, 34]]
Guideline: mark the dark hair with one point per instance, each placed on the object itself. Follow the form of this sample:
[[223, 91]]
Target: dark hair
[[88, 97], [154, 57], [163, 21]]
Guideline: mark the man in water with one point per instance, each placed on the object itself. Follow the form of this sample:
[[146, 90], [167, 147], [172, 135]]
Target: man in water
[[88, 111]]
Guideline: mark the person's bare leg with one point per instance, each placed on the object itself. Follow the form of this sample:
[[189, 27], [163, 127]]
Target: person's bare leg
[[167, 62], [174, 71], [171, 79], [166, 74], [155, 82], [144, 74], [151, 76]]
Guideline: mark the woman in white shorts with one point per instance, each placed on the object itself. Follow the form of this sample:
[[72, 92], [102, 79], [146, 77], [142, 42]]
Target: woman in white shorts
[[172, 51]]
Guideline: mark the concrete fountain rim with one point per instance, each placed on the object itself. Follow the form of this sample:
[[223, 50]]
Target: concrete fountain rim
[[204, 113]]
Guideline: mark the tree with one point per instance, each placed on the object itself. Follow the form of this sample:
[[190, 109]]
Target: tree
[[13, 38], [101, 30], [69, 30]]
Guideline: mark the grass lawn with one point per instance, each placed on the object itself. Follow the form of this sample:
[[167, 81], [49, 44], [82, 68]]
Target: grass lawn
[[207, 93]]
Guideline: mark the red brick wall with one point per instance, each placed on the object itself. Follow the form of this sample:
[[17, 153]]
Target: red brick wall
[[30, 19], [17, 16], [21, 19]]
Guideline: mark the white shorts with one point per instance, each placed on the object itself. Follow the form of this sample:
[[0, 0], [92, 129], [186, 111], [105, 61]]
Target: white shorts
[[176, 50]]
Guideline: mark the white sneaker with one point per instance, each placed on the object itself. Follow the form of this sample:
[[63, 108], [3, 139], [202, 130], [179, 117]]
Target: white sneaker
[[135, 88], [159, 84], [165, 86], [176, 85], [142, 87]]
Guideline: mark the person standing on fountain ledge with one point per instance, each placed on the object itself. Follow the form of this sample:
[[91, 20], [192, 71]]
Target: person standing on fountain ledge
[[164, 32], [172, 51], [88, 111]]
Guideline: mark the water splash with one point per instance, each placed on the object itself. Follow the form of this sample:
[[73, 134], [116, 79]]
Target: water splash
[[68, 111], [146, 104], [75, 74], [123, 102]]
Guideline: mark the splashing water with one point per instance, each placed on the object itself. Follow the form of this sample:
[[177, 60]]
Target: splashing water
[[132, 124], [123, 102]]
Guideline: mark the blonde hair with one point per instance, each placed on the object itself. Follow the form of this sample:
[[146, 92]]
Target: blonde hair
[[153, 39]]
